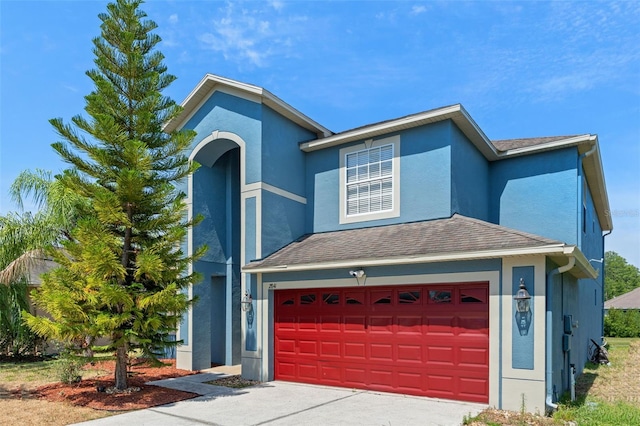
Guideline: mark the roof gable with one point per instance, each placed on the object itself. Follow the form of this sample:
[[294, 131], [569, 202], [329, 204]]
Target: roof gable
[[211, 83]]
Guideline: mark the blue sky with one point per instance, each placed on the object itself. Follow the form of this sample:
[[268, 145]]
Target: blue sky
[[521, 69]]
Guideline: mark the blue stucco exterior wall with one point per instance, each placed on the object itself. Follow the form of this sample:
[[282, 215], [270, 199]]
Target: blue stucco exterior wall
[[283, 221], [389, 271], [250, 243], [469, 178], [537, 194], [590, 291], [283, 163], [425, 180], [230, 113], [209, 195]]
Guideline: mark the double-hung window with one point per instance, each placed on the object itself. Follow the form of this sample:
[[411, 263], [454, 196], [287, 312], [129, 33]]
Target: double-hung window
[[370, 181]]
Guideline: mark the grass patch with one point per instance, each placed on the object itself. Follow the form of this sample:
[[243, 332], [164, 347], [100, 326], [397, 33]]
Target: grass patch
[[607, 395], [599, 414], [18, 379]]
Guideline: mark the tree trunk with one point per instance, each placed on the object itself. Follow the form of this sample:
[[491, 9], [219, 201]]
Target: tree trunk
[[122, 358]]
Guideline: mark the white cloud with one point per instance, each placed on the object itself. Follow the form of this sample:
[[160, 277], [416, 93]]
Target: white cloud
[[416, 10], [252, 35], [276, 4], [173, 19]]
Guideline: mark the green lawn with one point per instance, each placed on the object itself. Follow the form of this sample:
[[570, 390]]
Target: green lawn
[[607, 395]]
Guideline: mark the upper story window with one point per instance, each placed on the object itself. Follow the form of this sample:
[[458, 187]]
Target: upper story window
[[370, 181]]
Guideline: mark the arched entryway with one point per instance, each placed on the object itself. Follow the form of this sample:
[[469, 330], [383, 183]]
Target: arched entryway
[[214, 328]]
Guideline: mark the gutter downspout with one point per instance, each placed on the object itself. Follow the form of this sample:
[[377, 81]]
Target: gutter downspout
[[603, 285], [551, 406]]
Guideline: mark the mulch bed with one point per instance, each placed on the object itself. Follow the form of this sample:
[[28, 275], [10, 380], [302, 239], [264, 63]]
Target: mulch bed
[[86, 392]]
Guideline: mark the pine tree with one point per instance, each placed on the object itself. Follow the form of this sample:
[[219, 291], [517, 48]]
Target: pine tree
[[123, 273]]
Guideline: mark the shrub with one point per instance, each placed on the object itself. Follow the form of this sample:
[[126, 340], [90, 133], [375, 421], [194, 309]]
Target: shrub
[[16, 339], [69, 368], [619, 323]]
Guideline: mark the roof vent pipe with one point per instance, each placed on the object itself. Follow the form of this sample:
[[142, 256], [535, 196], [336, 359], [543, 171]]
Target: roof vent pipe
[[551, 406]]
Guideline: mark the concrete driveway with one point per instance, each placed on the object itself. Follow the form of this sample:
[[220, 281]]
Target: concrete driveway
[[284, 403]]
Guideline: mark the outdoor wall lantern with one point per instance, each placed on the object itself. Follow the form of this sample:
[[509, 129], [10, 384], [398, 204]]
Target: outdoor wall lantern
[[247, 302], [523, 309]]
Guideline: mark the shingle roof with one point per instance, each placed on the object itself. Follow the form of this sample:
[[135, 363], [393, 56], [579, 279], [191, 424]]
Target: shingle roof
[[458, 234], [630, 300], [507, 144]]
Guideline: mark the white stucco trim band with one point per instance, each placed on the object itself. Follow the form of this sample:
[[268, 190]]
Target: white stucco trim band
[[275, 190]]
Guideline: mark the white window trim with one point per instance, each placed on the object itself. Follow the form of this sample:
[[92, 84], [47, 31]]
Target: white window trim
[[368, 144]]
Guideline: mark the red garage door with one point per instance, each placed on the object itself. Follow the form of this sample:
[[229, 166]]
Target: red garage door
[[430, 340]]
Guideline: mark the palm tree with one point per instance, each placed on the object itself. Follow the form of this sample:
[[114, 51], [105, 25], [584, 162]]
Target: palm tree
[[24, 240]]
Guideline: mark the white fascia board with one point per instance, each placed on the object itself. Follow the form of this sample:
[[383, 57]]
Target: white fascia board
[[476, 135], [211, 83], [277, 104], [456, 113], [557, 249], [201, 92], [549, 146], [594, 173]]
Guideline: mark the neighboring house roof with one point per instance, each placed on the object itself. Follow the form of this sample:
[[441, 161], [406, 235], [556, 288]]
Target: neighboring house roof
[[455, 238], [211, 83], [39, 267], [630, 300]]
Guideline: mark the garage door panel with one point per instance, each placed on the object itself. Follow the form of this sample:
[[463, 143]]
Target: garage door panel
[[381, 377], [330, 323], [381, 324], [309, 347], [331, 373], [409, 353], [308, 371], [440, 325], [354, 324], [286, 323], [286, 370], [330, 349], [410, 382], [440, 354], [381, 351], [409, 325], [429, 340], [473, 325], [355, 350], [355, 377], [441, 384], [474, 389], [307, 323], [473, 356], [286, 346]]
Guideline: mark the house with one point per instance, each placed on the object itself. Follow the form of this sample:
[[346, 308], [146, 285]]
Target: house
[[624, 302], [413, 255]]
